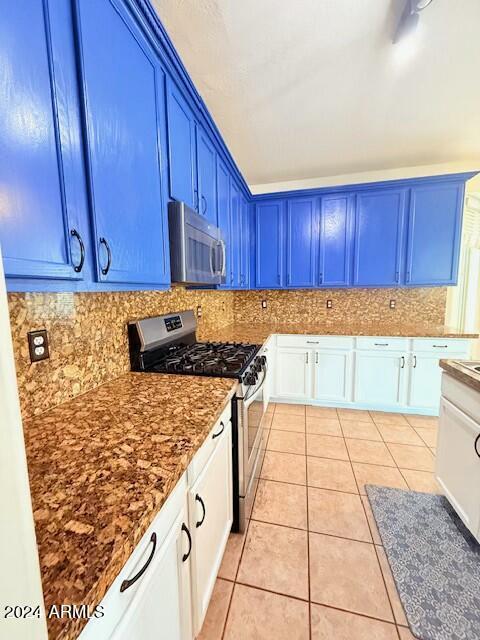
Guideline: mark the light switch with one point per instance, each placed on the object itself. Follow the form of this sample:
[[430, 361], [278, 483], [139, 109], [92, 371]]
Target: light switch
[[329, 304], [264, 304], [392, 304]]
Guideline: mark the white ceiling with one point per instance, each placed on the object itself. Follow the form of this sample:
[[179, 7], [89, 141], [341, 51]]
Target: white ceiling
[[315, 87]]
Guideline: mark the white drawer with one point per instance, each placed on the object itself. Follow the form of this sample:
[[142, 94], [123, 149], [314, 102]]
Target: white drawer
[[378, 343], [441, 345], [315, 342], [203, 454]]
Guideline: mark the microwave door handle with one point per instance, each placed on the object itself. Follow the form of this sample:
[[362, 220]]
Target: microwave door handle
[[224, 257]]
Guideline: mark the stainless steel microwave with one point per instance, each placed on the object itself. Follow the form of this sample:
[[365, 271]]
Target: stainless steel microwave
[[197, 249]]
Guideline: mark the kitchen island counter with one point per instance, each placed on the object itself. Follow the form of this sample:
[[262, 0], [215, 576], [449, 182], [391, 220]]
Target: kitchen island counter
[[101, 466]]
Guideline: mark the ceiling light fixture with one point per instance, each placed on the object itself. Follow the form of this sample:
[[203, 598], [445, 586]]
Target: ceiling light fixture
[[409, 19]]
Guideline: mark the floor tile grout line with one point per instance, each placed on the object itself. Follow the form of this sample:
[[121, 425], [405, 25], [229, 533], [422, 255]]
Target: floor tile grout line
[[308, 543]]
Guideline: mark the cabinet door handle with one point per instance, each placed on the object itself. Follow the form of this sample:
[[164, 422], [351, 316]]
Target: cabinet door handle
[[475, 446], [316, 358], [397, 276], [414, 362], [195, 199], [279, 278], [78, 267], [320, 278], [402, 362], [128, 583], [306, 358], [106, 269], [204, 202], [186, 555], [219, 433], [202, 504]]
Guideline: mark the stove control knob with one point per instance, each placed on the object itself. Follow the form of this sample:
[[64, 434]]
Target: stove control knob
[[263, 360]]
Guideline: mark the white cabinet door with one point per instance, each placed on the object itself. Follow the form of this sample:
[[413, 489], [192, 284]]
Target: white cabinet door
[[425, 381], [333, 374], [379, 378], [458, 463], [160, 609], [293, 373], [211, 517]]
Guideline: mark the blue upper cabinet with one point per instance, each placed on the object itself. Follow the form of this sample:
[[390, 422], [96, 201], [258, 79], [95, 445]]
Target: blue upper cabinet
[[245, 244], [379, 237], [269, 259], [235, 238], [223, 214], [434, 228], [181, 148], [124, 94], [42, 205], [302, 242], [206, 169], [336, 222]]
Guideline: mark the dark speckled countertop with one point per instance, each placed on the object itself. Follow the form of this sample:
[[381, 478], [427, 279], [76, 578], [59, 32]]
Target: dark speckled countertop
[[259, 332], [101, 466], [461, 373]]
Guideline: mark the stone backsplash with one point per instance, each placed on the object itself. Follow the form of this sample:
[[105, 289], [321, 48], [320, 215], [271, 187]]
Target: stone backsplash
[[412, 306], [88, 337]]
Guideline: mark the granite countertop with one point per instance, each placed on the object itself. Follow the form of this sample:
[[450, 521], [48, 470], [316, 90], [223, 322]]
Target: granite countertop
[[101, 466], [462, 374], [259, 332]]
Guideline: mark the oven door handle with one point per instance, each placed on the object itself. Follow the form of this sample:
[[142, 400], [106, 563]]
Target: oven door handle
[[212, 258]]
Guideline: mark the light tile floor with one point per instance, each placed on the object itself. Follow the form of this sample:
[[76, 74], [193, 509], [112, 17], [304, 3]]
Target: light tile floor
[[311, 564]]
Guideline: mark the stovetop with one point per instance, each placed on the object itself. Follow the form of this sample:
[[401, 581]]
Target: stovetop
[[223, 359]]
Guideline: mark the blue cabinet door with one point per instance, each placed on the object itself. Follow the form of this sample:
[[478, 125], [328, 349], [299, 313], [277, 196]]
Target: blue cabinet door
[[206, 169], [223, 215], [181, 148], [42, 185], [123, 88], [245, 244], [335, 259], [302, 241], [270, 244], [236, 240], [434, 230], [379, 237]]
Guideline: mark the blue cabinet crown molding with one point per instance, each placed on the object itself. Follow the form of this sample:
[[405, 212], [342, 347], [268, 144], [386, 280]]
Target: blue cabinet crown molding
[[364, 186]]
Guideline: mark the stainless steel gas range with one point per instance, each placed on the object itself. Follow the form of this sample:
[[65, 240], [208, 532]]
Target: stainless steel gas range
[[168, 344]]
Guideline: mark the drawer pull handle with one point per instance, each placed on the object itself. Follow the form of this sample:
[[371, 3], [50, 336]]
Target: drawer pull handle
[[440, 346], [200, 522], [380, 344], [414, 362], [219, 433], [186, 555], [128, 583], [313, 342], [402, 361], [475, 446]]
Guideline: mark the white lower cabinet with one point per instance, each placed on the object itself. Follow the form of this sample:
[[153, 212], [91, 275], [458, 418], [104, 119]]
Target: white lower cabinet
[[160, 609], [458, 463], [293, 369], [380, 378], [163, 591], [369, 372], [333, 375], [211, 517]]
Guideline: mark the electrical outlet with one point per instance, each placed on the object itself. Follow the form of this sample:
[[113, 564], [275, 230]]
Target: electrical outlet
[[199, 311], [38, 345], [329, 304], [393, 304], [264, 304]]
